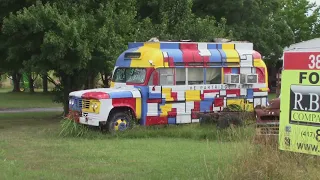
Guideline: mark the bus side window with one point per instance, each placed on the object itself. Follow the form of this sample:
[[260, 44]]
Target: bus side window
[[213, 76], [195, 76], [180, 76], [166, 76]]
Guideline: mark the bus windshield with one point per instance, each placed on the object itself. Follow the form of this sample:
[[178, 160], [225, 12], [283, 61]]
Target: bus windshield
[[130, 75]]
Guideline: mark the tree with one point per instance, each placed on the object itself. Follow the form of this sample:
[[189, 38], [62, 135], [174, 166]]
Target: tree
[[72, 38], [302, 17]]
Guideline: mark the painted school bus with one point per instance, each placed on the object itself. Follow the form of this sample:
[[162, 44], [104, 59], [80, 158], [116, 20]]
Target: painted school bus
[[299, 129], [170, 82]]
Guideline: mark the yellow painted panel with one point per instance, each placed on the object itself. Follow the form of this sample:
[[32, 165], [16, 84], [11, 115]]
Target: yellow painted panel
[[242, 103], [165, 109], [87, 106], [228, 46], [193, 95], [259, 63], [150, 51], [232, 55], [167, 92], [138, 108]]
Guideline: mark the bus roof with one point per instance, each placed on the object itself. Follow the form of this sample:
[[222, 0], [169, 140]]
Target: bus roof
[[172, 54]]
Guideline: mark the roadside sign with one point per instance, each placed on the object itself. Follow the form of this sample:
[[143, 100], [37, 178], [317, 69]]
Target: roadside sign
[[299, 129]]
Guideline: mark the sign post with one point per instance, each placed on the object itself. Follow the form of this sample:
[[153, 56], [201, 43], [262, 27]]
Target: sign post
[[299, 129]]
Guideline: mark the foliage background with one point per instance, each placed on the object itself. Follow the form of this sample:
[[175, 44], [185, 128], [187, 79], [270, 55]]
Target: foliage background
[[80, 39]]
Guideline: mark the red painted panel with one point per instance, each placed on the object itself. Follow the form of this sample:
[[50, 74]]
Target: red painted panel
[[257, 90], [156, 78], [194, 114], [95, 95], [218, 102], [227, 70], [197, 105], [173, 112], [125, 102], [256, 55], [301, 60], [211, 91], [261, 74], [155, 120], [174, 95], [188, 51], [171, 62], [202, 96], [233, 91]]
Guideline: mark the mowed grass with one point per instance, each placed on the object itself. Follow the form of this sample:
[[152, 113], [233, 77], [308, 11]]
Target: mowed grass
[[30, 148], [10, 100]]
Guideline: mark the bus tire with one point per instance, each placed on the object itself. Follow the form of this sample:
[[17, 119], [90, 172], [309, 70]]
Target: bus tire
[[119, 121]]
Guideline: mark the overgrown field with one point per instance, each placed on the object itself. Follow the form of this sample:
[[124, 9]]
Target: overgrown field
[[31, 148]]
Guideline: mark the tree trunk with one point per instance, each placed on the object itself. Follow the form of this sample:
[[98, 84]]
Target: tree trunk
[[105, 79], [45, 82], [16, 77], [31, 82], [66, 82]]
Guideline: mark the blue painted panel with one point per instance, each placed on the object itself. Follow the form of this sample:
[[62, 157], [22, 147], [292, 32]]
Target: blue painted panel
[[175, 54], [125, 62], [171, 120], [235, 70], [223, 56], [205, 105], [166, 45], [135, 45], [215, 54], [249, 93], [163, 101], [125, 94], [173, 50], [155, 95]]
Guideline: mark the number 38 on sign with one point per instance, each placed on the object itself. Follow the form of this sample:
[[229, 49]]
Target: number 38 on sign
[[302, 61], [314, 61]]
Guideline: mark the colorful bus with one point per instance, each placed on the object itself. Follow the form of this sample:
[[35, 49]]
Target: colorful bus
[[170, 82]]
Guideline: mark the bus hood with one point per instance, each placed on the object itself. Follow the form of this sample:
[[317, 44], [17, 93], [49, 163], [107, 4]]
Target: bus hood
[[107, 93]]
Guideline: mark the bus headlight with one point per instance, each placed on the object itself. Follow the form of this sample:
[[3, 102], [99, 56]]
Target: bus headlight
[[71, 102]]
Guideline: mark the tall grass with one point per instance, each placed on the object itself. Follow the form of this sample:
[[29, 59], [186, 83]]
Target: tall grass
[[187, 131], [261, 161], [268, 162]]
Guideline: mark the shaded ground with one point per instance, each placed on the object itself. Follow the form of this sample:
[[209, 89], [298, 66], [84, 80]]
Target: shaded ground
[[57, 109]]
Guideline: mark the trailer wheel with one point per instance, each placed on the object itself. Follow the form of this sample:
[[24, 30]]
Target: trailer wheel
[[227, 120]]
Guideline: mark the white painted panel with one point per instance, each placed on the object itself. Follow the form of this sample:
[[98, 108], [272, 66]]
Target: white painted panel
[[181, 107], [152, 109], [260, 93], [182, 119], [189, 106]]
